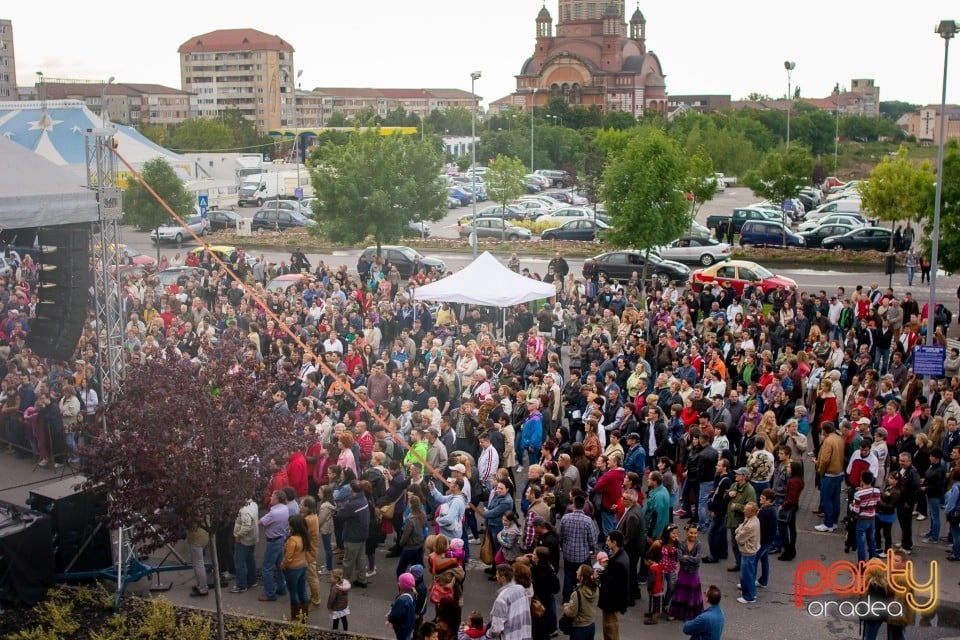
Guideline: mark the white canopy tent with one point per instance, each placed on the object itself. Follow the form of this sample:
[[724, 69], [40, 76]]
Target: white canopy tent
[[486, 281]]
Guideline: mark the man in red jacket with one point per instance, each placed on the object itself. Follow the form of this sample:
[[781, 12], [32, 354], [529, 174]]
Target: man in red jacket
[[297, 472], [610, 488]]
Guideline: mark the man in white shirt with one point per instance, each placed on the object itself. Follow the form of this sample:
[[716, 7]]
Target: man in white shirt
[[488, 463]]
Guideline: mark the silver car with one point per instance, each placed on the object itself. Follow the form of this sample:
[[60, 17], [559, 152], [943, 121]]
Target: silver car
[[494, 228], [176, 233]]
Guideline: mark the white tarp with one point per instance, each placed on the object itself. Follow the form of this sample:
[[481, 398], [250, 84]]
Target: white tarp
[[35, 192], [487, 282]]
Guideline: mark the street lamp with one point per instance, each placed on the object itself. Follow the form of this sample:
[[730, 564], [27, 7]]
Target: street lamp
[[836, 137], [556, 119], [947, 29], [533, 103], [789, 66], [473, 151], [296, 135], [104, 117]]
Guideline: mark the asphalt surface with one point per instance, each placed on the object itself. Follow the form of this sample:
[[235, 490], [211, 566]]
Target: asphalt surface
[[773, 616]]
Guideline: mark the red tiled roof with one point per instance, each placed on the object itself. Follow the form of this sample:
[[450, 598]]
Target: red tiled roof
[[235, 40]]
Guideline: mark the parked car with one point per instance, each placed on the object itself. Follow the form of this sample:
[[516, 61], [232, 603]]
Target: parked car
[[510, 212], [222, 220], [697, 229], [737, 274], [862, 239], [560, 216], [533, 187], [287, 205], [179, 275], [284, 282], [174, 232], [622, 265], [225, 252], [852, 219], [767, 233], [556, 178], [576, 230], [460, 194], [277, 220], [494, 228], [533, 209], [453, 203], [542, 181], [741, 216], [480, 191], [815, 237], [418, 229], [404, 258], [125, 255], [696, 249], [844, 205]]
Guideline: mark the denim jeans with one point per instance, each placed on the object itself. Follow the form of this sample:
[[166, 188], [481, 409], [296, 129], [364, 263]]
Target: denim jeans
[[763, 565], [871, 629], [748, 577], [245, 562], [830, 487], [327, 550], [703, 513], [583, 633], [955, 539], [933, 513], [408, 558], [717, 539], [297, 584], [880, 360], [758, 487], [866, 539], [910, 273], [272, 556], [570, 577], [608, 521]]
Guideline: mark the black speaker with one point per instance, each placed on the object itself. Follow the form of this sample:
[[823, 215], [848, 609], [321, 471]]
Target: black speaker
[[26, 555], [63, 290], [73, 520]]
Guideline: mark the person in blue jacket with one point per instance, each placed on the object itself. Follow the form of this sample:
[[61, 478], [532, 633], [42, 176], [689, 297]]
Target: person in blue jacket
[[709, 624], [531, 436], [636, 459], [500, 502], [403, 612]]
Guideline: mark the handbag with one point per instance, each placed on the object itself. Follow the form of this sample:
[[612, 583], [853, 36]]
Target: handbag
[[537, 610], [565, 624], [783, 515], [387, 510], [954, 516], [438, 592], [486, 550]]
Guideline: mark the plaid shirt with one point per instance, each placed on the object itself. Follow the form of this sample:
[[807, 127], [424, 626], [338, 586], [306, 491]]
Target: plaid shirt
[[578, 536], [510, 614]]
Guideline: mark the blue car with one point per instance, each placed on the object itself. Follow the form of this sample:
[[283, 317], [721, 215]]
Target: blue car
[[462, 195], [576, 230]]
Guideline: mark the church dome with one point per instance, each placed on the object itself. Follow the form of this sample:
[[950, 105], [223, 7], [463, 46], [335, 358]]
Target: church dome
[[637, 17], [544, 15]]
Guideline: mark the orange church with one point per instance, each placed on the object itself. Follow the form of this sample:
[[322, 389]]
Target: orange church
[[595, 58]]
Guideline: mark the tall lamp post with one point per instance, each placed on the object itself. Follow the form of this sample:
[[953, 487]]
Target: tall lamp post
[[947, 29], [298, 192], [473, 152], [789, 66], [104, 116], [533, 103], [836, 137]]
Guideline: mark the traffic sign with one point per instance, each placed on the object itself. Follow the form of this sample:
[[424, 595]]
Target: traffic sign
[[928, 361], [203, 202]]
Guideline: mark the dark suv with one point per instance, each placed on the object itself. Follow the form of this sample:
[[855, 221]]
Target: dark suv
[[403, 257], [277, 219]]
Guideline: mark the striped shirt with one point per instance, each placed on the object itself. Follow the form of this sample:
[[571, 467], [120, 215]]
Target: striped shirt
[[510, 614], [865, 502]]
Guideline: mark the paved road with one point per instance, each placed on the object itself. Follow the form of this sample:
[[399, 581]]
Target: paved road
[[775, 609]]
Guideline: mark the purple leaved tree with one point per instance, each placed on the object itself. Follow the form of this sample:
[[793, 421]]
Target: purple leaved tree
[[187, 445]]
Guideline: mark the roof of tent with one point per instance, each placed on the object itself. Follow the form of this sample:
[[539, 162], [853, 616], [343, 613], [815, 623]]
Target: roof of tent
[[35, 192], [487, 282], [56, 133]]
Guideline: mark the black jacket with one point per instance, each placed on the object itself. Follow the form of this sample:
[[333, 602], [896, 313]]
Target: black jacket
[[355, 515], [614, 598]]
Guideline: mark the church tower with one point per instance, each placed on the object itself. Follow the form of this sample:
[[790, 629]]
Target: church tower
[[638, 29], [544, 24], [613, 30]]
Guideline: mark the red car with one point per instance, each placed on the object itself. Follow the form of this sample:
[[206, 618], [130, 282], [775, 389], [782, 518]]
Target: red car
[[736, 274]]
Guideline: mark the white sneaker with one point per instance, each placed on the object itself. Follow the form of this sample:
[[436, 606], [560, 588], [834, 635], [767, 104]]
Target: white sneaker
[[43, 463], [822, 528], [920, 516], [743, 600], [832, 529], [322, 571], [519, 468], [371, 573], [475, 541]]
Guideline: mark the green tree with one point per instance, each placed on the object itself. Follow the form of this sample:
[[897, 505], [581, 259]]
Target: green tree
[[643, 190], [505, 183], [897, 190], [201, 134], [781, 175], [893, 109], [756, 96], [245, 133], [948, 254], [619, 120], [337, 119], [156, 133], [142, 210], [701, 181], [374, 185]]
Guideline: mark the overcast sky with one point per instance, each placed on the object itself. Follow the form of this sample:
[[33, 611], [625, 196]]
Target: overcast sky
[[705, 46]]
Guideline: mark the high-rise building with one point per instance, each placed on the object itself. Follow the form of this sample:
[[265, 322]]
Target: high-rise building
[[241, 69], [8, 62], [595, 58]]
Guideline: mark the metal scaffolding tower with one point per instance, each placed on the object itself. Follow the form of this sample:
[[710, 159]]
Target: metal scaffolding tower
[[102, 178]]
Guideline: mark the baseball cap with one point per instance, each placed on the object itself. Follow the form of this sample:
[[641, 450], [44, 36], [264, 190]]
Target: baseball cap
[[538, 521], [742, 471], [865, 421], [458, 467]]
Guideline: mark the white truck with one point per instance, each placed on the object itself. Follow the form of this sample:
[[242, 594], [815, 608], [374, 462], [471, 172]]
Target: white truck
[[221, 193], [255, 189]]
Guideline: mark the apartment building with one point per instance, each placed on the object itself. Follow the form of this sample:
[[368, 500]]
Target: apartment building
[[241, 69], [8, 62]]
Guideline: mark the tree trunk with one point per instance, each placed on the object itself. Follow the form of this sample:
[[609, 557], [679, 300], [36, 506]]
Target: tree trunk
[[218, 594]]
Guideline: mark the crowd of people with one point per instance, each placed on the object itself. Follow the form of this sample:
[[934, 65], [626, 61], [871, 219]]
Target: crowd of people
[[596, 447]]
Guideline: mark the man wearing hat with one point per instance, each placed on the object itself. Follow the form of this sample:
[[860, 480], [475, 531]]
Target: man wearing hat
[[741, 493], [636, 458]]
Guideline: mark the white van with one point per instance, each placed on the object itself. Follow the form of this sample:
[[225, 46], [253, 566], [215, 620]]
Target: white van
[[846, 205], [255, 189]]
